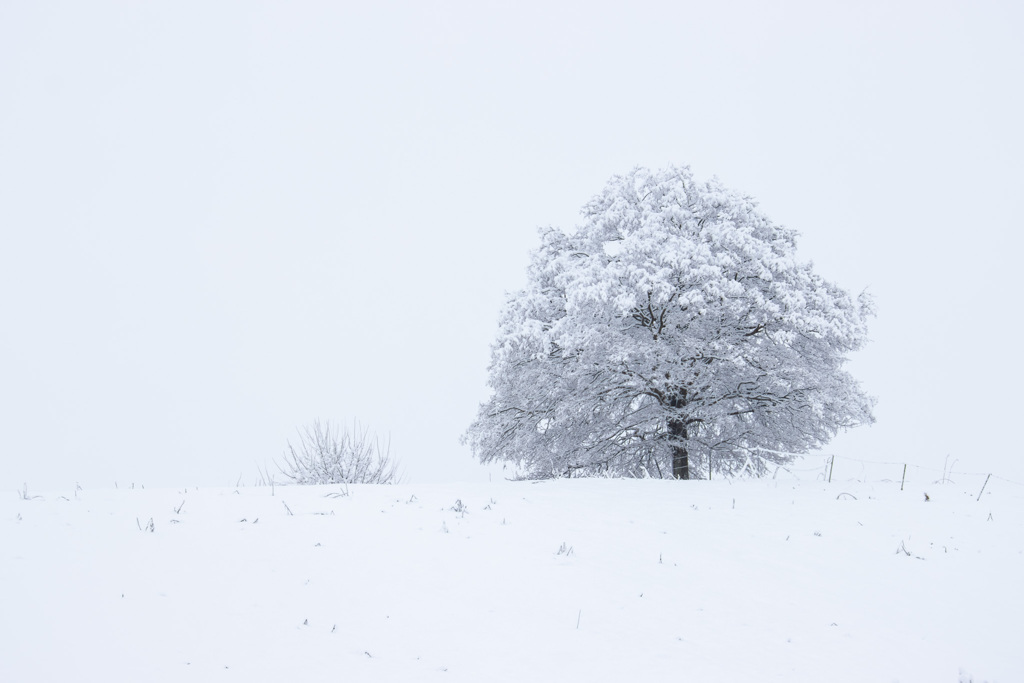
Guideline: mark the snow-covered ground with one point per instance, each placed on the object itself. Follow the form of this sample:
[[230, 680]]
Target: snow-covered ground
[[583, 580]]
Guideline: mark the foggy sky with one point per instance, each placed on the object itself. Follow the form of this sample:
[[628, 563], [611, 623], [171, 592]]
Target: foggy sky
[[222, 220]]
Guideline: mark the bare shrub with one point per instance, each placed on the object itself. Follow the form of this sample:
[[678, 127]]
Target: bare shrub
[[327, 453]]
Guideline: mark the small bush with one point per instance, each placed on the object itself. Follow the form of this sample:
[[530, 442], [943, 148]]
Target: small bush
[[329, 454]]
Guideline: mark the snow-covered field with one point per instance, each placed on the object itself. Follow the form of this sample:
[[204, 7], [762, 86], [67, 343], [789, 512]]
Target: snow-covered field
[[582, 580]]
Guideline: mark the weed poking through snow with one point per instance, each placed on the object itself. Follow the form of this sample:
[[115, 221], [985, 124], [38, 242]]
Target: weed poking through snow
[[23, 494]]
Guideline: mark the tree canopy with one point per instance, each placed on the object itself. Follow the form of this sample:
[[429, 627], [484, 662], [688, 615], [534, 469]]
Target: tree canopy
[[673, 333]]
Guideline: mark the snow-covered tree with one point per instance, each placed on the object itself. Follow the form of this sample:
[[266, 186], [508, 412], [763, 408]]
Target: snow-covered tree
[[673, 333]]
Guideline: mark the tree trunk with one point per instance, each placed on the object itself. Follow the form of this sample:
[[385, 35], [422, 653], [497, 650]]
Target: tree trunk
[[676, 432]]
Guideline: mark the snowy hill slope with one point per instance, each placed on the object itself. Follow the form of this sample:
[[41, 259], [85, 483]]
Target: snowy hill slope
[[596, 580]]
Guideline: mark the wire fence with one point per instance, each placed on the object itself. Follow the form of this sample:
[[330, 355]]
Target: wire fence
[[832, 468]]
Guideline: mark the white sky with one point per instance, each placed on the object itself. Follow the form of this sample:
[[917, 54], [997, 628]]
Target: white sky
[[221, 220]]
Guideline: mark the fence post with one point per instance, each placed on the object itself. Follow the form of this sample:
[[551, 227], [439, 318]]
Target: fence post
[[983, 486], [831, 464], [904, 476]]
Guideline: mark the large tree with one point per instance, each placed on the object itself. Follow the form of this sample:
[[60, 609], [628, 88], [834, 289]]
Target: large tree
[[672, 333]]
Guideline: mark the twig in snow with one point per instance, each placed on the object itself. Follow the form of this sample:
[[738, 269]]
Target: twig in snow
[[983, 486], [343, 493], [23, 493]]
